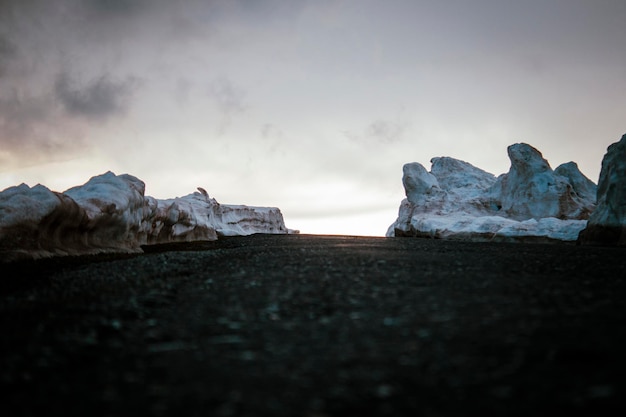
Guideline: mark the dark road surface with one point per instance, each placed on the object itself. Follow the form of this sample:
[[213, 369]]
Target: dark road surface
[[313, 326]]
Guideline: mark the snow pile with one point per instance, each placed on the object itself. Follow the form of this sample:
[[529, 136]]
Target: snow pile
[[110, 213], [239, 220], [198, 217], [456, 200], [607, 224], [179, 219], [113, 208]]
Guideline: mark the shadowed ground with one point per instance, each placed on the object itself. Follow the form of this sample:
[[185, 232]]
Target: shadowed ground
[[297, 325]]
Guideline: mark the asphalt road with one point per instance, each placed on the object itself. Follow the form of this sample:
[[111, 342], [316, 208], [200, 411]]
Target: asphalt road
[[313, 326]]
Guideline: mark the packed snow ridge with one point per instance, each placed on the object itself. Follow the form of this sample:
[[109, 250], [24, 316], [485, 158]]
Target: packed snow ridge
[[532, 202], [110, 213]]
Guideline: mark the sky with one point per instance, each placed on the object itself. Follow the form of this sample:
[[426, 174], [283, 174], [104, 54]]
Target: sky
[[312, 106]]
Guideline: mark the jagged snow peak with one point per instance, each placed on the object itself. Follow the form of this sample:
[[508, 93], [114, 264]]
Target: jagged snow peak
[[110, 213], [456, 200]]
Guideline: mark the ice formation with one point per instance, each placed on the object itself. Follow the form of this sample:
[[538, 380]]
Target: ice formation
[[607, 224], [110, 213], [532, 202]]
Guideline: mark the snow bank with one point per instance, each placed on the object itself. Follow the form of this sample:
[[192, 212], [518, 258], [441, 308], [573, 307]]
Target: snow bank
[[607, 224], [456, 200], [110, 213]]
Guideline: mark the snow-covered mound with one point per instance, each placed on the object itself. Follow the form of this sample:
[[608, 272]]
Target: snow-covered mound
[[456, 200], [110, 213], [607, 224]]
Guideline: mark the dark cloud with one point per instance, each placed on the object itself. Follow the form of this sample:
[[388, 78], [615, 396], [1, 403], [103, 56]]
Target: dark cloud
[[229, 100], [20, 117], [269, 131], [99, 100], [380, 131], [386, 131], [182, 90], [8, 52], [163, 21], [8, 9], [85, 8], [273, 136], [117, 8], [31, 131]]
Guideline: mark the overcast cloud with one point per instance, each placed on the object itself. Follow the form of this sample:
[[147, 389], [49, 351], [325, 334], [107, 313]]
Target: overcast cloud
[[99, 100], [311, 106]]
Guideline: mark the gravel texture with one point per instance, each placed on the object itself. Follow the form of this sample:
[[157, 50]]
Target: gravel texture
[[314, 326]]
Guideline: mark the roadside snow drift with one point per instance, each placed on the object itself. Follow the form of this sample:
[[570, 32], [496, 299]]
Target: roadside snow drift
[[110, 213], [532, 202], [607, 224]]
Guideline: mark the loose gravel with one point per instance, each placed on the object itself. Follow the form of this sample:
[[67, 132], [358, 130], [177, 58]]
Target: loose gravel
[[301, 325]]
